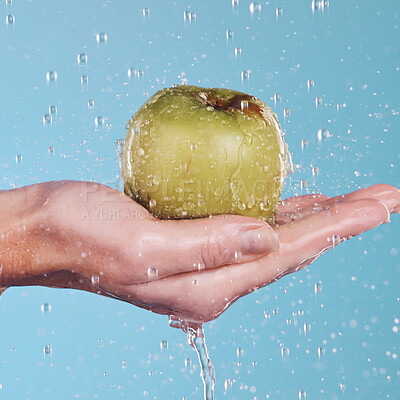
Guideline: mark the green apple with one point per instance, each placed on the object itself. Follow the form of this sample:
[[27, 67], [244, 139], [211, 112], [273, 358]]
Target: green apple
[[192, 152]]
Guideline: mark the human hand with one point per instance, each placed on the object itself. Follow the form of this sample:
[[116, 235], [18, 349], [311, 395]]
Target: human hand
[[89, 236], [307, 226]]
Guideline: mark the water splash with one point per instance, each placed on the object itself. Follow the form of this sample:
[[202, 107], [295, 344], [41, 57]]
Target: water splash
[[197, 340]]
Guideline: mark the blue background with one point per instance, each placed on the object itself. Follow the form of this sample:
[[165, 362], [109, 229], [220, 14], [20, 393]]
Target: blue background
[[345, 307]]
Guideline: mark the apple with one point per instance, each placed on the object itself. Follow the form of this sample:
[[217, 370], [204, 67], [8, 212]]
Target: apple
[[192, 152]]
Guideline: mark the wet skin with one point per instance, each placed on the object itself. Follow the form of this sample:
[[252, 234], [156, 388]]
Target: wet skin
[[61, 234]]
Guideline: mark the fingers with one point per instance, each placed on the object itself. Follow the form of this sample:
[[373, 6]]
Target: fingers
[[202, 296], [191, 245]]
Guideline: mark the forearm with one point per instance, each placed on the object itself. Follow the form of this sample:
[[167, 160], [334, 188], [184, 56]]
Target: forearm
[[26, 252]]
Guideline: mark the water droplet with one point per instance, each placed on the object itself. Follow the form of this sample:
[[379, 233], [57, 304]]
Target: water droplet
[[145, 12], [323, 134], [188, 16], [302, 395], [51, 76], [47, 350], [152, 272], [98, 121], [245, 75], [286, 113], [278, 12], [306, 328], [285, 353], [10, 19], [18, 158], [235, 3], [47, 119], [301, 312], [310, 84], [139, 151], [124, 365], [317, 287], [277, 97], [51, 149], [238, 51], [338, 106], [152, 203], [315, 171], [227, 384], [266, 314], [82, 59], [52, 109], [195, 282], [275, 311], [84, 80], [95, 280], [188, 362], [239, 352], [229, 34], [318, 102], [244, 105], [303, 184], [304, 144], [321, 352], [163, 345], [254, 7], [45, 307], [8, 2], [90, 104], [101, 37]]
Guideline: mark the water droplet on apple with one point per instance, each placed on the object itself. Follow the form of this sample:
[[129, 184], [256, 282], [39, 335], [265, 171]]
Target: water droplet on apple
[[139, 151], [152, 203], [244, 104]]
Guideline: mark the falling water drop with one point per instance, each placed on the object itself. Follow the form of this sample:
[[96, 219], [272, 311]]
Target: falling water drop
[[323, 134], [245, 75], [84, 80], [317, 287], [98, 121], [52, 109], [286, 113], [229, 34], [51, 150], [235, 3], [145, 12], [285, 353], [338, 106], [163, 345], [51, 76], [318, 102], [302, 395], [228, 384], [45, 307], [101, 37], [90, 104], [18, 158], [47, 350], [82, 59], [188, 16], [254, 7], [47, 119], [238, 51], [321, 352], [304, 144], [279, 12], [310, 84], [10, 19]]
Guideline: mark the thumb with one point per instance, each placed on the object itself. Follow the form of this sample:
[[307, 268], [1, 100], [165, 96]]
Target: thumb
[[191, 245]]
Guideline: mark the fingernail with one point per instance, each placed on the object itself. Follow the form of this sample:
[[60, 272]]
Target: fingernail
[[259, 241]]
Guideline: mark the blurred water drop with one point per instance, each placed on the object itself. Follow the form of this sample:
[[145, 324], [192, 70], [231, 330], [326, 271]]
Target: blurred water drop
[[95, 280], [145, 12], [8, 2], [315, 171], [285, 353], [152, 203], [267, 314], [244, 105], [301, 312], [18, 158], [84, 80], [286, 113], [124, 364], [51, 150], [90, 104], [139, 151], [52, 109], [227, 384], [278, 12], [45, 307], [306, 328], [318, 102], [82, 59], [239, 352], [163, 345], [238, 51], [51, 76], [47, 350], [321, 352], [188, 16], [277, 97], [10, 19], [255, 7], [47, 119], [275, 311], [323, 134], [101, 37], [188, 362], [303, 184], [317, 287], [310, 84], [245, 75], [98, 121], [304, 144], [302, 395], [229, 34], [235, 3], [152, 272], [338, 106]]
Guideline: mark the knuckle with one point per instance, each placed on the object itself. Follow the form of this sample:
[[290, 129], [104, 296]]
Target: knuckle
[[215, 251]]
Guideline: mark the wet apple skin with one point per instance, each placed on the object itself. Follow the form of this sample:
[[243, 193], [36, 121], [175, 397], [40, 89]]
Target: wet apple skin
[[192, 152]]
